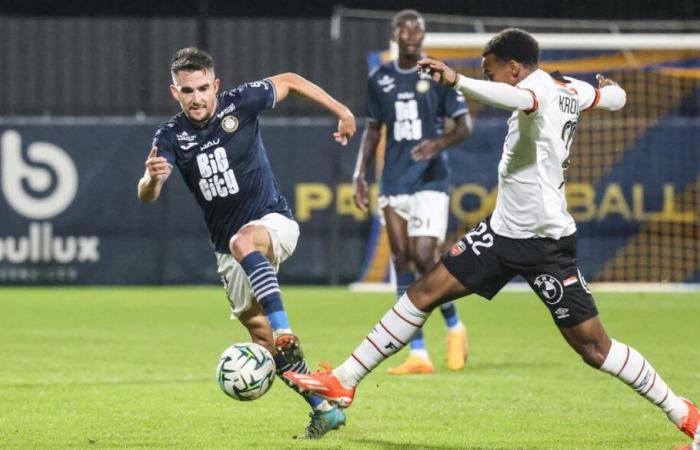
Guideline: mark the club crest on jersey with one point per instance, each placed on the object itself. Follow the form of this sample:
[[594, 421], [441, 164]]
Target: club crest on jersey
[[549, 288], [229, 124], [422, 86], [458, 248]]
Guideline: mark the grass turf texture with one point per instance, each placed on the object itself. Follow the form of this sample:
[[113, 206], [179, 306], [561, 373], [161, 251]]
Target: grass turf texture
[[105, 368]]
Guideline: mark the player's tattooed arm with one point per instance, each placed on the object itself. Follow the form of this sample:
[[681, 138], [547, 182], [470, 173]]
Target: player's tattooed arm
[[287, 83], [158, 170], [429, 148], [368, 148]]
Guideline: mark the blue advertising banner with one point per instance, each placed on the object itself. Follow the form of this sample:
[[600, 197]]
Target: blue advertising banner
[[70, 213]]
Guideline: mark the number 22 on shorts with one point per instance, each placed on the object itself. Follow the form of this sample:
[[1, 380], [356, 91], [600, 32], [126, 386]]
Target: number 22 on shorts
[[478, 237]]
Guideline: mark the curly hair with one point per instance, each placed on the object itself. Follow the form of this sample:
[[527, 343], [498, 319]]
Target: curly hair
[[514, 44]]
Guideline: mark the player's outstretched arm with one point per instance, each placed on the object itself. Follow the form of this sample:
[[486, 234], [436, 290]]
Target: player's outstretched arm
[[291, 82], [499, 95], [365, 154], [158, 170], [611, 96]]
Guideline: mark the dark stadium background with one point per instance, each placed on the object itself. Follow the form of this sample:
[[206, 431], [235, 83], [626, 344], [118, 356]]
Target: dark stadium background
[[93, 75]]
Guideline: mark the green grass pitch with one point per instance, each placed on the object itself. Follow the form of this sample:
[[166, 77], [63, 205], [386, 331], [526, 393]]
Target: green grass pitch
[[116, 368]]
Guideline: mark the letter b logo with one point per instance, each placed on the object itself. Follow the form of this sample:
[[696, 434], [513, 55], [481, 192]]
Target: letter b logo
[[26, 184]]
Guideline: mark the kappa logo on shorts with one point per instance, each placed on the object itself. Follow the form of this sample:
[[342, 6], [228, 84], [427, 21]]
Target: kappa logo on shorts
[[550, 288], [458, 248]]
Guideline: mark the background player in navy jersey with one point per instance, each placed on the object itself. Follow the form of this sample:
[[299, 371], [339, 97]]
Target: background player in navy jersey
[[215, 143], [414, 183]]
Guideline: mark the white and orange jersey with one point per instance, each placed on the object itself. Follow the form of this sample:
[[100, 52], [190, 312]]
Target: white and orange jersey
[[531, 200]]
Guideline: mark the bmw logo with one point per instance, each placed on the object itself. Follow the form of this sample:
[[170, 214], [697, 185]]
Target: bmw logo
[[549, 289]]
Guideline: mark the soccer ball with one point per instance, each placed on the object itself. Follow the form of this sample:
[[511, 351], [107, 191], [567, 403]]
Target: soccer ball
[[245, 371]]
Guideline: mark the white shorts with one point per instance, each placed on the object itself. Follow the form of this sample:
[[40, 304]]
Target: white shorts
[[425, 211], [284, 234]]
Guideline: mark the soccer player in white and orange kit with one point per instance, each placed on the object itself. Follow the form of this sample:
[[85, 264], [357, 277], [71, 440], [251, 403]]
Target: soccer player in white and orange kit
[[530, 232]]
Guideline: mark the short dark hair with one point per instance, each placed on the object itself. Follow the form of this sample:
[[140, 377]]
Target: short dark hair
[[191, 59], [514, 44], [404, 16]]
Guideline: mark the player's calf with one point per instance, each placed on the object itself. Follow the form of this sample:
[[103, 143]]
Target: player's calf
[[627, 364]]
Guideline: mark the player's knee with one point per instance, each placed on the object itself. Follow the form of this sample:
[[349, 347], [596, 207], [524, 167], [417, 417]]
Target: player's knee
[[421, 295], [402, 262], [592, 354], [240, 245], [424, 261]]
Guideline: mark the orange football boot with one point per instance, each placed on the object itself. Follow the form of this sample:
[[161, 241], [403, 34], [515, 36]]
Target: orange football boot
[[324, 384]]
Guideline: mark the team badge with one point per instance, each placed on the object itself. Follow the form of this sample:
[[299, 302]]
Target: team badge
[[549, 288], [229, 124], [458, 248], [422, 86]]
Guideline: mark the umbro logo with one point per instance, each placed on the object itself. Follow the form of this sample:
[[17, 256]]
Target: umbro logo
[[561, 313]]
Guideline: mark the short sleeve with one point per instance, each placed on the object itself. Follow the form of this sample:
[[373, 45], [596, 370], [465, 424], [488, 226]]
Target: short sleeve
[[374, 105], [258, 95], [164, 144], [454, 103]]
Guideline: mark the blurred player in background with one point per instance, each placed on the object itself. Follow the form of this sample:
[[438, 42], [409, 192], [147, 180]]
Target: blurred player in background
[[215, 143], [530, 233], [413, 193]]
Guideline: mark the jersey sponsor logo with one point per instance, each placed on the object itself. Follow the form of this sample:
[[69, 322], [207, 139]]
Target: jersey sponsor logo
[[218, 179], [549, 288], [458, 248], [387, 83], [208, 144], [184, 136], [229, 124], [422, 86], [229, 109], [405, 95], [408, 126]]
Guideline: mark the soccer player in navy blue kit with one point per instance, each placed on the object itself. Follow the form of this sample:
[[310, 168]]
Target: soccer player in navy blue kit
[[215, 143], [415, 180]]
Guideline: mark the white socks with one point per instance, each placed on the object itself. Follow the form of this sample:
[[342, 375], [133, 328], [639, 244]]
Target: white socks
[[630, 366], [390, 335]]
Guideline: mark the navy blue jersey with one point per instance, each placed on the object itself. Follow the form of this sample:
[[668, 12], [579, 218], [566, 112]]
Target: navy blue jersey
[[224, 164], [413, 107]]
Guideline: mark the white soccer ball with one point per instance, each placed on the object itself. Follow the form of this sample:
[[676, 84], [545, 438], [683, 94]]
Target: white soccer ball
[[245, 371]]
